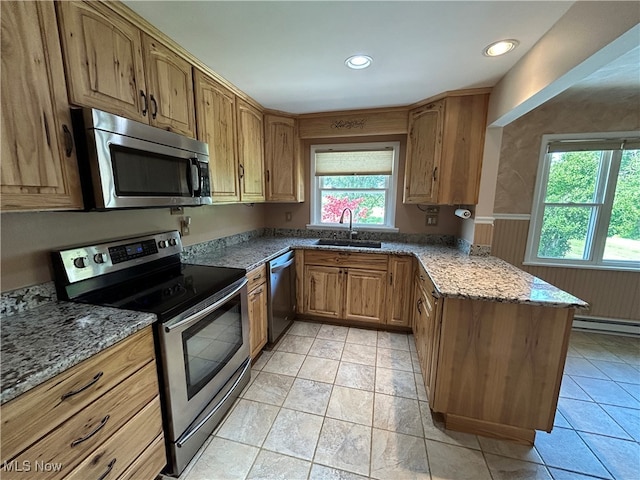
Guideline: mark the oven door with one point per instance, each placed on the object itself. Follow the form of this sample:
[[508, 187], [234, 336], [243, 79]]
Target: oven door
[[201, 350]]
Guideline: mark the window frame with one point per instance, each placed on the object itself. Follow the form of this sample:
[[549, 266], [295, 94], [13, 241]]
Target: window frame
[[315, 201], [603, 204]]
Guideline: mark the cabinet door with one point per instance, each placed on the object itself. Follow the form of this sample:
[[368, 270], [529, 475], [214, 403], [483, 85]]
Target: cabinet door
[[462, 149], [103, 59], [257, 319], [323, 288], [283, 175], [365, 295], [400, 290], [424, 148], [216, 113], [250, 152], [39, 169], [170, 89]]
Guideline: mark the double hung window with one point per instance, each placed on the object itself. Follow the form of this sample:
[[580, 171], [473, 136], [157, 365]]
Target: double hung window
[[586, 209], [360, 177]]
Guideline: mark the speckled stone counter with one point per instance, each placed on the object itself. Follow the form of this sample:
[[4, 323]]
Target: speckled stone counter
[[454, 273], [40, 343]]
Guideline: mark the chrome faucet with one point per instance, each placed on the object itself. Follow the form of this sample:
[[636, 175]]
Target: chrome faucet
[[352, 232]]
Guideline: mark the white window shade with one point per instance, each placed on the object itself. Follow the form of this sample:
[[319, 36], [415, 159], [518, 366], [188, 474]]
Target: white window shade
[[586, 146], [354, 162]]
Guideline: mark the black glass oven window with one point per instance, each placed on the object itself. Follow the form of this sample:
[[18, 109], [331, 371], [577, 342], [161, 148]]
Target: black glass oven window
[[211, 343], [149, 174]]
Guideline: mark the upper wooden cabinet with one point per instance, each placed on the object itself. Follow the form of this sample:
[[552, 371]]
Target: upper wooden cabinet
[[170, 88], [39, 170], [250, 152], [282, 159], [216, 114], [113, 66], [444, 151]]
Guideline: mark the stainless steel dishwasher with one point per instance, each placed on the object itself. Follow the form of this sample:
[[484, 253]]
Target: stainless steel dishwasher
[[281, 306]]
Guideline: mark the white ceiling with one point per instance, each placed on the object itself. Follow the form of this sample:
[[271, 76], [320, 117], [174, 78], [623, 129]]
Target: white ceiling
[[290, 55]]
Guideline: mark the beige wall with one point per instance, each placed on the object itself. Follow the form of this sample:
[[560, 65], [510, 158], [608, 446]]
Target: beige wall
[[27, 238], [572, 113], [611, 294], [409, 219]]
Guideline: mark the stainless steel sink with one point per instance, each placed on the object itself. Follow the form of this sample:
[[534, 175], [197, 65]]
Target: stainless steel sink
[[349, 243]]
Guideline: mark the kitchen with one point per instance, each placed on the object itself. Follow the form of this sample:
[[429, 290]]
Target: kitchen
[[207, 223]]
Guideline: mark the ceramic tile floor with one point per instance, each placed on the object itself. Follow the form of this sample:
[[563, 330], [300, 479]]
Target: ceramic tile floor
[[344, 403]]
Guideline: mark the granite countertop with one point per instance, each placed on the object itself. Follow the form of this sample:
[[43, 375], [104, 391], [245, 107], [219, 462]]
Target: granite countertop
[[454, 273], [40, 343]]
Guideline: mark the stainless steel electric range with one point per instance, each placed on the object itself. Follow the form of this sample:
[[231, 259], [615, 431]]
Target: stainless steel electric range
[[202, 333]]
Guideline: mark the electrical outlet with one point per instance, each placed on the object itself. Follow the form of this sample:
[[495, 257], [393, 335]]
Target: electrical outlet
[[431, 220], [287, 216]]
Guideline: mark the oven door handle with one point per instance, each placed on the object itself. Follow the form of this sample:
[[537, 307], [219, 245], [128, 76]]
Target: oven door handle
[[184, 438], [203, 313]]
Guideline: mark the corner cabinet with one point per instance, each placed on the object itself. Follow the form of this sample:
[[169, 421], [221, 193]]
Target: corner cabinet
[[444, 150], [250, 152], [113, 66], [216, 114], [39, 169], [282, 159]]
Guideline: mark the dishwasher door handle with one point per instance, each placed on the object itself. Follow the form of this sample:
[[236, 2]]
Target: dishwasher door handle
[[279, 268]]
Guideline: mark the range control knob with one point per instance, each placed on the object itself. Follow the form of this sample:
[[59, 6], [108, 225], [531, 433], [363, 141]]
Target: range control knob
[[162, 244], [172, 242], [79, 262], [98, 258]]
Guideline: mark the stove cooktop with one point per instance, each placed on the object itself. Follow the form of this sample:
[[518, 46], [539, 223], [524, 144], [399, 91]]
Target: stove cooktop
[[166, 292]]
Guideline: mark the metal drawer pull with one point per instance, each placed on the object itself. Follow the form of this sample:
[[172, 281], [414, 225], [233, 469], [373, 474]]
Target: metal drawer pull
[[92, 433], [82, 389], [418, 305], [109, 468], [154, 114]]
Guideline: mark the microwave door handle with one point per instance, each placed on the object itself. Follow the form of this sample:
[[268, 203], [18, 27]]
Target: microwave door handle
[[195, 177]]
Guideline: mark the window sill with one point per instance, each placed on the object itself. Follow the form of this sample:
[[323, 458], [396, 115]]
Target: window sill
[[357, 228], [617, 268]]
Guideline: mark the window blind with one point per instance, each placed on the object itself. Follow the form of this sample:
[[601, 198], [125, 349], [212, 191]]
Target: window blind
[[354, 162], [593, 145]]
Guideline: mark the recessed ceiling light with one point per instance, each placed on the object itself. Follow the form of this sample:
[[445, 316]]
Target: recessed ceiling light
[[358, 62], [500, 48]]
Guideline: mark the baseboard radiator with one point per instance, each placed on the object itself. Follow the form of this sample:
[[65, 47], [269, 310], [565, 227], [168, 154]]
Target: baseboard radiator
[[607, 325]]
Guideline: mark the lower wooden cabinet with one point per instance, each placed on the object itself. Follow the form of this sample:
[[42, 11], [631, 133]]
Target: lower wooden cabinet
[[400, 290], [345, 286], [102, 415], [490, 368], [257, 300]]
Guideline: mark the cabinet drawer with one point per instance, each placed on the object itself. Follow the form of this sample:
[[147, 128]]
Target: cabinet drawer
[[35, 413], [149, 463], [370, 261], [257, 277], [95, 424], [423, 279], [115, 455]]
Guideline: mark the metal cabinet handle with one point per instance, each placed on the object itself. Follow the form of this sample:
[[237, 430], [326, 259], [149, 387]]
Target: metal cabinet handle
[[155, 107], [267, 175], [241, 167], [435, 171], [108, 471], [92, 433], [418, 305], [68, 141], [82, 389], [145, 106], [390, 278]]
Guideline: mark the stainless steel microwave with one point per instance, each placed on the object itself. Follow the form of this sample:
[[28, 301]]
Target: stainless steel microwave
[[127, 164]]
